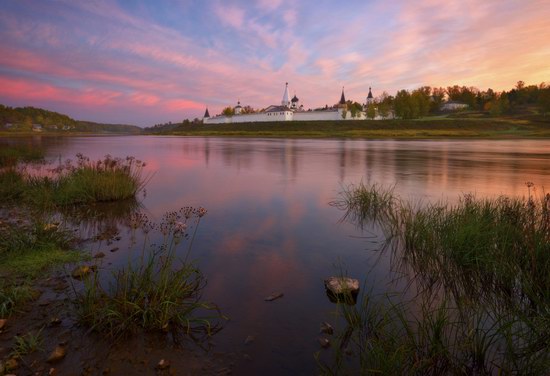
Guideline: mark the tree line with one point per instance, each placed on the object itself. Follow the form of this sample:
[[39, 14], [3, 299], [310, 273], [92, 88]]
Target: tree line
[[23, 118], [428, 100]]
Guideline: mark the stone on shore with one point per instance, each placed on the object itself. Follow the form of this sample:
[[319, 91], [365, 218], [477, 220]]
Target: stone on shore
[[81, 271], [342, 285], [57, 354]]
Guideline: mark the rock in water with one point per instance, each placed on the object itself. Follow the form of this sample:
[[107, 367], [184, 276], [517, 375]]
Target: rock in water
[[9, 365], [327, 328], [99, 255], [81, 271], [273, 297], [324, 342], [249, 340], [163, 364], [57, 354], [342, 285]]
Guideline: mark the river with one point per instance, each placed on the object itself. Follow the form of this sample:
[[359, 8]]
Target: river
[[270, 227]]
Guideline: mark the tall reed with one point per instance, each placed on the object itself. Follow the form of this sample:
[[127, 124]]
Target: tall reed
[[482, 269], [158, 291]]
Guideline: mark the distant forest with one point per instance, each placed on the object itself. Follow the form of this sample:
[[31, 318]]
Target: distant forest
[[38, 119]]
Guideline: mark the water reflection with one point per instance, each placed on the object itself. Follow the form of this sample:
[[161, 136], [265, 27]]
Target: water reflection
[[270, 228]]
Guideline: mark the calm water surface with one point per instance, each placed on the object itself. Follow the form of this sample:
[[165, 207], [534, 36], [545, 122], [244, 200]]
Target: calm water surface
[[270, 227]]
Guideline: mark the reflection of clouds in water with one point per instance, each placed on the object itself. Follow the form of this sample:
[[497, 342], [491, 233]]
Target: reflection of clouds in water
[[270, 228]]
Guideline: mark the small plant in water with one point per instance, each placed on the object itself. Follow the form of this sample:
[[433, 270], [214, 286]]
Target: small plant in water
[[158, 292], [28, 343]]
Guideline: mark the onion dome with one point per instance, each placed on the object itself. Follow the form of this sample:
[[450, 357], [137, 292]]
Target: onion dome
[[294, 99], [370, 94]]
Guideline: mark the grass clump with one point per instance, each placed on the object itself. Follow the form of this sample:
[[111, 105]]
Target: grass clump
[[27, 343], [11, 296], [502, 243], [158, 292], [73, 183], [27, 250], [482, 270], [433, 336]]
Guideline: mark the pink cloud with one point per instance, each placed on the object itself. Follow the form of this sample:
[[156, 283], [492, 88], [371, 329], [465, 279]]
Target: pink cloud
[[230, 15]]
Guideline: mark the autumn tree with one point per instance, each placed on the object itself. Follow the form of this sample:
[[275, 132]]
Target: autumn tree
[[385, 104], [403, 105], [228, 111], [26, 124], [371, 111], [420, 99], [500, 105], [354, 108], [438, 96], [543, 101], [248, 110]]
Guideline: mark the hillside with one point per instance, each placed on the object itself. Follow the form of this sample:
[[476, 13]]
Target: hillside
[[28, 119]]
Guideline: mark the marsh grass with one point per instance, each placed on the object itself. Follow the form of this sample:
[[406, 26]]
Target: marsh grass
[[388, 336], [156, 292], [502, 243], [27, 251], [75, 182], [482, 269], [11, 155], [12, 296], [27, 343]]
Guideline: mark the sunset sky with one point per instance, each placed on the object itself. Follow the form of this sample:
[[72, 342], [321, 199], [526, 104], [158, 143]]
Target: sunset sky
[[148, 62]]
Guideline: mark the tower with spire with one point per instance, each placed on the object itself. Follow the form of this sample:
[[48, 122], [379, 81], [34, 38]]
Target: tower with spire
[[286, 98], [342, 102], [370, 98], [206, 114]]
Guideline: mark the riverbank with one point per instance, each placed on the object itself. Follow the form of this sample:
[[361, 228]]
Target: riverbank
[[426, 128]]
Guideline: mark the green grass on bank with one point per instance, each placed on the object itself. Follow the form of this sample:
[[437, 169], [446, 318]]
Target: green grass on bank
[[79, 182], [29, 251], [429, 127]]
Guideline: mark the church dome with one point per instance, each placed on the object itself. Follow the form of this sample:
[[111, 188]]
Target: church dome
[[370, 94], [294, 99]]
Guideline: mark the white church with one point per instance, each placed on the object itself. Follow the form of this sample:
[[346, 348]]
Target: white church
[[291, 110]]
